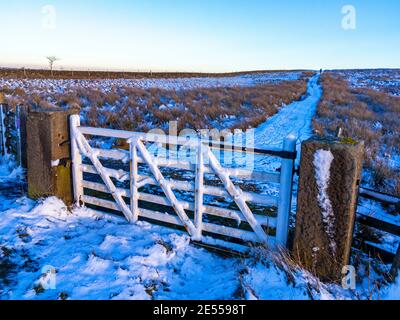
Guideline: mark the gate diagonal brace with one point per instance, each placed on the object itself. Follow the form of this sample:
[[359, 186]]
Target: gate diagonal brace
[[166, 187], [236, 195], [87, 150]]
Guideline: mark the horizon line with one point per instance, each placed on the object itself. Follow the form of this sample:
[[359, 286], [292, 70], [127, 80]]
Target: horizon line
[[131, 70]]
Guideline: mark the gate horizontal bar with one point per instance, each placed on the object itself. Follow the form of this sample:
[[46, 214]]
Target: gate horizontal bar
[[269, 222], [243, 235], [379, 196], [267, 177], [265, 200], [119, 134], [381, 225]]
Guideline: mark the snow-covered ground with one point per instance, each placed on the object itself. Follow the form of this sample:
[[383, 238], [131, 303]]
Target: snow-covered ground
[[107, 85], [97, 256], [102, 257]]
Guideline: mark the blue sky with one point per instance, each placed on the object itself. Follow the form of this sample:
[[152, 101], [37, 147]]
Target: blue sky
[[200, 35]]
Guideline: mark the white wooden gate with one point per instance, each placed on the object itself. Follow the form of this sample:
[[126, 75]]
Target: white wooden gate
[[128, 201]]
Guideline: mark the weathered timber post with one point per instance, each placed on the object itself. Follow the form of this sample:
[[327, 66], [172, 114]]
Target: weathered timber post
[[330, 174], [48, 153], [395, 266]]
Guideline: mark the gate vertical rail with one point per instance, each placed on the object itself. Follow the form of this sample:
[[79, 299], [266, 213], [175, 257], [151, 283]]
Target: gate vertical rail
[[285, 193], [199, 192], [3, 131], [134, 177], [77, 174]]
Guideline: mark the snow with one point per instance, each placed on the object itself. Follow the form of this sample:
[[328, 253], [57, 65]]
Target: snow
[[322, 162], [393, 293], [304, 287], [9, 171], [98, 256], [55, 163]]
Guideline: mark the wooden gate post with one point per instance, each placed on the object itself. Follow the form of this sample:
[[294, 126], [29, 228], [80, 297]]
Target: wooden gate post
[[329, 180], [48, 154]]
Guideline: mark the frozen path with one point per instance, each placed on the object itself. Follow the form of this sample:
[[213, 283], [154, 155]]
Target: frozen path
[[294, 119]]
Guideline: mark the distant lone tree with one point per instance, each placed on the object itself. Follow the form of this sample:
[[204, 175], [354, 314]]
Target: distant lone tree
[[51, 60]]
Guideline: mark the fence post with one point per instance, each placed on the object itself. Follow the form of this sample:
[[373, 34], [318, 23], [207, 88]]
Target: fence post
[[48, 154], [329, 180], [285, 193]]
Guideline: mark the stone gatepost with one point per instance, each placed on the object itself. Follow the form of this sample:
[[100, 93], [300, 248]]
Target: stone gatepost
[[330, 174], [48, 154]]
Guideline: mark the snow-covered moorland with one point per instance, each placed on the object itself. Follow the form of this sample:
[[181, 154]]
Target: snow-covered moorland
[[383, 80], [96, 256], [140, 105], [107, 85], [369, 113], [363, 103]]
